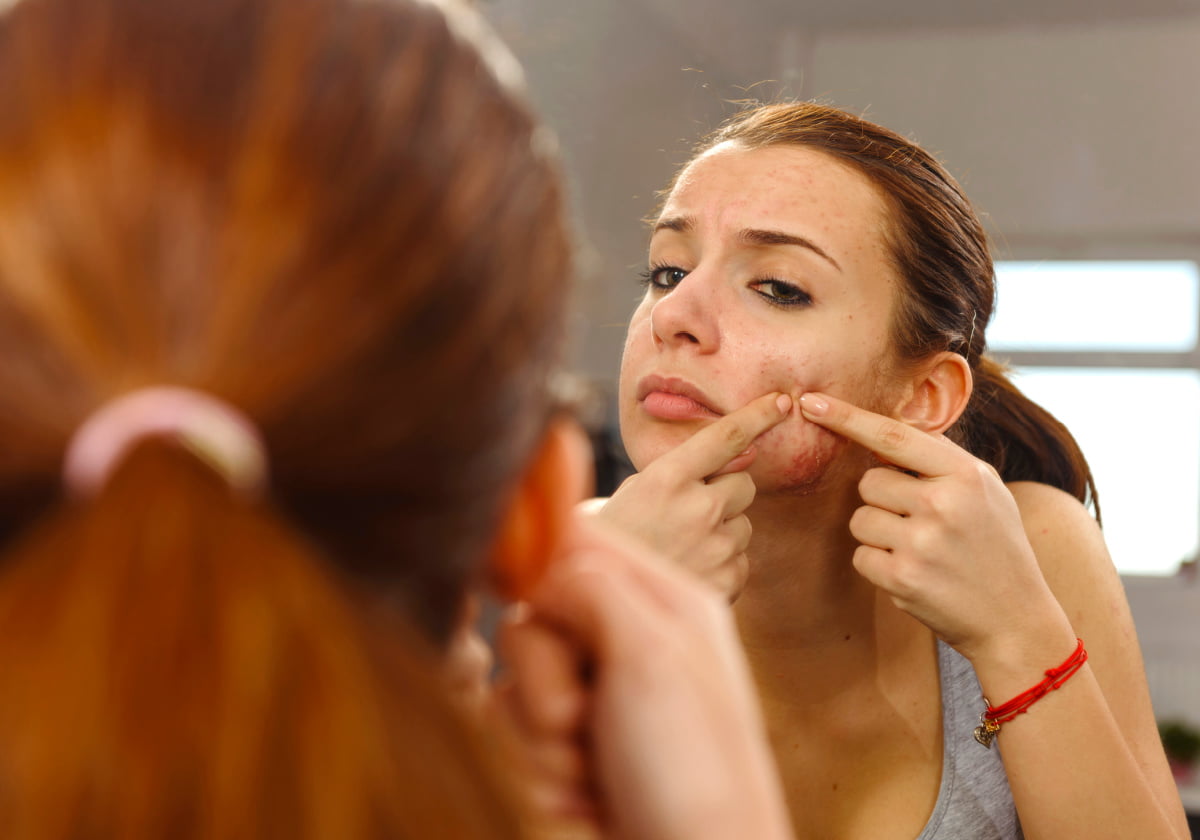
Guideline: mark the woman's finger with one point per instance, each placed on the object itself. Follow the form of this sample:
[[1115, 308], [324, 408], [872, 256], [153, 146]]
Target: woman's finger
[[611, 588], [738, 531], [547, 694], [890, 489], [897, 443], [735, 492], [587, 594], [713, 449], [876, 565], [730, 578], [878, 528]]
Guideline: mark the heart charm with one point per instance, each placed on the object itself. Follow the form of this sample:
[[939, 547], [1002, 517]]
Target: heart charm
[[984, 735]]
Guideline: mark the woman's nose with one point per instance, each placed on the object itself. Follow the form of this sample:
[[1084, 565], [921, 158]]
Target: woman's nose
[[686, 317]]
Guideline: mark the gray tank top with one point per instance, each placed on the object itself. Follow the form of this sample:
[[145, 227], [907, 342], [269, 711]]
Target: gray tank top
[[974, 802]]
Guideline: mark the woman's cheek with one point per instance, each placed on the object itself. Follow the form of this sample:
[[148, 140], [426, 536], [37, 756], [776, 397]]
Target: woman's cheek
[[794, 456]]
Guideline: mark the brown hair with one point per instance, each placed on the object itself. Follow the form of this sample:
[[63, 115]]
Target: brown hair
[[941, 254], [334, 216]]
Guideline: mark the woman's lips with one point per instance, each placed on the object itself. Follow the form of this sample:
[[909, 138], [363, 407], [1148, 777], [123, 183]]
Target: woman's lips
[[671, 398], [667, 406]]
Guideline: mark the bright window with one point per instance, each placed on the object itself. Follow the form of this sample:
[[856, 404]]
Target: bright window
[[1139, 306], [1110, 349]]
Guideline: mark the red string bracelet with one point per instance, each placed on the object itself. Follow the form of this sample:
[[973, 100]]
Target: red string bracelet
[[993, 716]]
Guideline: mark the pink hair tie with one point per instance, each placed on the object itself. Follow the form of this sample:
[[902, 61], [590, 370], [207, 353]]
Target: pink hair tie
[[210, 428]]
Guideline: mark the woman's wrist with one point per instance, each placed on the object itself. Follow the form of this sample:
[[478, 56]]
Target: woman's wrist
[[1008, 663]]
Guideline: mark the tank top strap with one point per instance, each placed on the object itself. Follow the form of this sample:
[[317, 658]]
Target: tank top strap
[[974, 800]]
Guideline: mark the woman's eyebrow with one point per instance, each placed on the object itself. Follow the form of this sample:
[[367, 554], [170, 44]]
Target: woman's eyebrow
[[679, 224], [754, 236], [749, 236]]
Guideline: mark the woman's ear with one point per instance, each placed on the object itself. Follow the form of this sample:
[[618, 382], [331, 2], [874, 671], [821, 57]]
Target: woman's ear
[[534, 525], [940, 394]]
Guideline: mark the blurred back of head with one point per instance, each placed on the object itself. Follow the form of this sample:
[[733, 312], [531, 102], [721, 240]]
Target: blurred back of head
[[334, 216]]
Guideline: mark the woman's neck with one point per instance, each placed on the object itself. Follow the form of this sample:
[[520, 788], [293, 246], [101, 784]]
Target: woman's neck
[[803, 588], [847, 680], [812, 626]]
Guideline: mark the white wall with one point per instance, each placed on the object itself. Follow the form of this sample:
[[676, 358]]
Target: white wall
[[1085, 132], [1167, 614]]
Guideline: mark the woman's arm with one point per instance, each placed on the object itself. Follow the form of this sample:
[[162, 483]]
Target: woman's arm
[[1074, 559]]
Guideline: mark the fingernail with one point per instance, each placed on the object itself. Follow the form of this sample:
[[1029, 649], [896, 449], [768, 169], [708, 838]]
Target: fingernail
[[813, 405], [784, 402]]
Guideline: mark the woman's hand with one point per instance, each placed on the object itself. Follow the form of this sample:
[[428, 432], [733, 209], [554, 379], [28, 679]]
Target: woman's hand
[[942, 535], [629, 686], [951, 547], [690, 504], [468, 661]]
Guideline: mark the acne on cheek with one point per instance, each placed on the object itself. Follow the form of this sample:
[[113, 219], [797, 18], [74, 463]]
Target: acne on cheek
[[807, 468], [794, 456]]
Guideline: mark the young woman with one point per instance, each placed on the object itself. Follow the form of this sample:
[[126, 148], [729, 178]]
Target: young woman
[[919, 538], [282, 284]]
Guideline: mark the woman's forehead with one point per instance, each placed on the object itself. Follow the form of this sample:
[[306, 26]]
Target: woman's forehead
[[780, 186]]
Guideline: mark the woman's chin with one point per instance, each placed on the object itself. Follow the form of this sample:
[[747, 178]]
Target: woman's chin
[[645, 442], [796, 469], [643, 453]]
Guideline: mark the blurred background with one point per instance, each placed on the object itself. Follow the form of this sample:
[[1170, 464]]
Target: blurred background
[[1072, 124]]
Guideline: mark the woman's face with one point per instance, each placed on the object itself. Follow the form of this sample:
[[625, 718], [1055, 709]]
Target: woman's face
[[768, 272]]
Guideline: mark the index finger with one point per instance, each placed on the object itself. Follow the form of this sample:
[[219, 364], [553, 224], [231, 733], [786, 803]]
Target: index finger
[[714, 446], [904, 446]]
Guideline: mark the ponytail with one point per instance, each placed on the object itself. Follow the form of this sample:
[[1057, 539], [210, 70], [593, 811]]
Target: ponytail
[[289, 220], [179, 663], [1022, 440]]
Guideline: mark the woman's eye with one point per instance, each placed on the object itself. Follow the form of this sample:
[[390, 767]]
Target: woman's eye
[[664, 277], [781, 293]]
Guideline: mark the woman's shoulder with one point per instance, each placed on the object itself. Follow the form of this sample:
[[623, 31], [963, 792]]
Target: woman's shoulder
[[1065, 536], [1039, 494], [1070, 549], [1050, 514]]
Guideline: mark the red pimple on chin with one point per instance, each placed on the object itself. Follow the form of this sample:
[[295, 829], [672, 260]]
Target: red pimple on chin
[[802, 460]]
